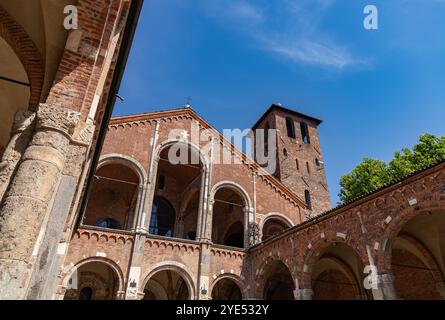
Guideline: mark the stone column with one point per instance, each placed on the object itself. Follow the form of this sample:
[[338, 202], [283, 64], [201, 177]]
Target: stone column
[[137, 209], [30, 196], [21, 134], [251, 229], [205, 209], [179, 226], [205, 226], [303, 294], [385, 288]]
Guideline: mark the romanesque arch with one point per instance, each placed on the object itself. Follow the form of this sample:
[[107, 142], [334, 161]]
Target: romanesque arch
[[94, 279], [277, 282], [334, 271], [115, 158], [227, 287], [27, 52], [230, 214], [168, 280], [22, 74], [180, 172], [116, 194], [274, 223], [413, 254]]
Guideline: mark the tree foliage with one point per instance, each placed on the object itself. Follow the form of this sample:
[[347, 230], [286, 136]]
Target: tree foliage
[[372, 174]]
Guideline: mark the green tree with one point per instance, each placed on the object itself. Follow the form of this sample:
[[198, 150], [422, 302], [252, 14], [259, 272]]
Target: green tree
[[428, 151], [372, 174], [367, 176]]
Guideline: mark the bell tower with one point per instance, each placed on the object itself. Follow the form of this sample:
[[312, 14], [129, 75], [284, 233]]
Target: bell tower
[[299, 159]]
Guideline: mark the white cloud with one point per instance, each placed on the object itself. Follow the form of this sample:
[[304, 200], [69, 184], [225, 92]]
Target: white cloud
[[315, 53], [247, 11], [288, 29]]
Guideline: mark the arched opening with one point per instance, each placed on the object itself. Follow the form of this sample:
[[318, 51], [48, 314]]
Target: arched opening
[[226, 289], [417, 258], [166, 285], [14, 91], [162, 222], [305, 133], [228, 218], [308, 200], [178, 190], [290, 128], [113, 199], [338, 274], [279, 284], [93, 281], [272, 227]]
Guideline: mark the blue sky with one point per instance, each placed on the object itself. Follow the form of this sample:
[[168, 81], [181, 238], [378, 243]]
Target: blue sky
[[376, 91]]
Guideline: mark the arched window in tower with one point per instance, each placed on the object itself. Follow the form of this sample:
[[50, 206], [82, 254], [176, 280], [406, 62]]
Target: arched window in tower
[[317, 162], [290, 128], [297, 164], [307, 197], [162, 220], [304, 132], [285, 152], [308, 168]]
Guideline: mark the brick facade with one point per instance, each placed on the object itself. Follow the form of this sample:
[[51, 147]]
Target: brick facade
[[226, 226], [300, 165], [320, 258]]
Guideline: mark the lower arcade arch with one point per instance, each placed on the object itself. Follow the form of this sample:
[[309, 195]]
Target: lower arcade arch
[[279, 283], [226, 289], [417, 258], [168, 284], [338, 274], [94, 280]]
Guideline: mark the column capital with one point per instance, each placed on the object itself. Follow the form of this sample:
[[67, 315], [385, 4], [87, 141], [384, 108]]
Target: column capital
[[56, 118]]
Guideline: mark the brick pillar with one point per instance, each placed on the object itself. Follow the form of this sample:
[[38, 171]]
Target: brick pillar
[[205, 257], [27, 202], [21, 134]]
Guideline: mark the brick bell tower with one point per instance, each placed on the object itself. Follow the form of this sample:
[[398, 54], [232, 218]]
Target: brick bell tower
[[299, 160]]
